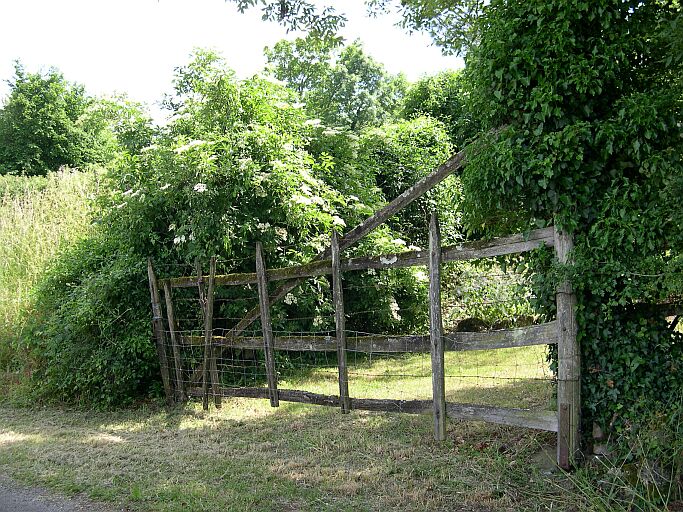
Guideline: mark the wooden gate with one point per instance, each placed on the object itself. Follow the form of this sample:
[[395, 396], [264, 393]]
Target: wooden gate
[[203, 379]]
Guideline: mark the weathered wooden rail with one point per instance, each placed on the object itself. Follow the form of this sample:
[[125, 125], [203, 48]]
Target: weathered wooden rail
[[542, 334], [540, 420], [461, 252]]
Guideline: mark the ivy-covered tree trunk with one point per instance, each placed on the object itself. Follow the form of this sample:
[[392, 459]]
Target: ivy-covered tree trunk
[[591, 99]]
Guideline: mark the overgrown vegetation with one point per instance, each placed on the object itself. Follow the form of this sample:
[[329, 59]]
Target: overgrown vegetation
[[240, 162], [593, 137], [39, 218], [580, 107]]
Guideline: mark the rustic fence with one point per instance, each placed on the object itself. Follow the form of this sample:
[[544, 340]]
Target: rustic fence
[[192, 362]]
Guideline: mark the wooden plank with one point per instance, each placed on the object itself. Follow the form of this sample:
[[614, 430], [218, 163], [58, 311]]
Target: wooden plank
[[569, 360], [159, 332], [436, 330], [499, 246], [466, 251], [215, 377], [540, 420], [542, 334], [286, 395], [563, 437], [229, 279], [266, 325], [177, 358], [340, 326]]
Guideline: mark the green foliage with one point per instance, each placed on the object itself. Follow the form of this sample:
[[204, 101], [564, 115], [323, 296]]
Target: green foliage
[[485, 294], [451, 24], [398, 155], [90, 342], [39, 128], [39, 217], [18, 186], [646, 475], [48, 123], [442, 97], [343, 88], [298, 15], [121, 125], [302, 63], [591, 109], [233, 167]]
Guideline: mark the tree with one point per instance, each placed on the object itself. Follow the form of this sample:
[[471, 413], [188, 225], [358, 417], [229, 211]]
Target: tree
[[39, 125], [48, 122], [343, 88], [590, 99], [119, 124], [442, 97], [303, 63]]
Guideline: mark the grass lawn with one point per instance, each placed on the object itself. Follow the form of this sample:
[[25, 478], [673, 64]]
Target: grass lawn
[[248, 456]]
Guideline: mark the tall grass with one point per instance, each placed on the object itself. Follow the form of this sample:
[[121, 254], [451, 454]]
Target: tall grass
[[38, 217]]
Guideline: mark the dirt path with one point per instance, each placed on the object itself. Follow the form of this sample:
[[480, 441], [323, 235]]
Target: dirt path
[[20, 498]]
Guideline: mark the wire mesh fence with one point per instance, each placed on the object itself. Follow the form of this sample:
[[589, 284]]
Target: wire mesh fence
[[387, 335]]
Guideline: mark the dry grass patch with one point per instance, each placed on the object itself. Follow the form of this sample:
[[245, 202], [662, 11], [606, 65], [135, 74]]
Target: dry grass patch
[[250, 457]]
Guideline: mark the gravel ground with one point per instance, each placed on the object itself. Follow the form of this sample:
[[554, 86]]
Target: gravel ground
[[20, 498]]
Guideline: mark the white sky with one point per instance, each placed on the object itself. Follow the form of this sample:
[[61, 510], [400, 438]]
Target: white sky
[[132, 46]]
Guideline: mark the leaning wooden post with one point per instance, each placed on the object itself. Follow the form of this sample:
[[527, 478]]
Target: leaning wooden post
[[207, 340], [340, 323], [436, 330], [177, 359], [209, 363], [159, 334], [568, 363], [266, 326], [213, 364]]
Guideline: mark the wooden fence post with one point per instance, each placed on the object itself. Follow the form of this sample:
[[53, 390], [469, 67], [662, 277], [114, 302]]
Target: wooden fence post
[[436, 330], [340, 324], [266, 326], [213, 363], [568, 363], [177, 358], [159, 334], [209, 363], [205, 363]]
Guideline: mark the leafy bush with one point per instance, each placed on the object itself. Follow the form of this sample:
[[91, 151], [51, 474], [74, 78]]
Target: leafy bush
[[90, 340], [442, 97], [233, 167], [400, 154]]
